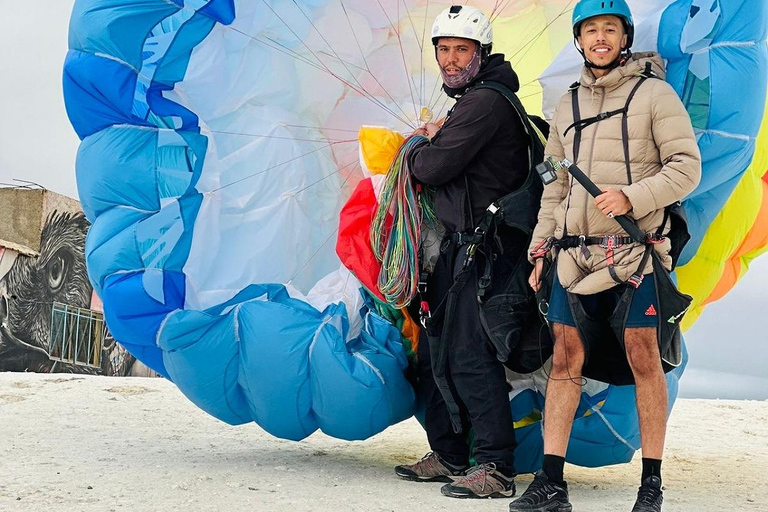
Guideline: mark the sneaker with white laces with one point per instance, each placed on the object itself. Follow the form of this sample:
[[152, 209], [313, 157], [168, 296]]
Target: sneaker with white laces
[[649, 496], [543, 496], [431, 468], [482, 481]]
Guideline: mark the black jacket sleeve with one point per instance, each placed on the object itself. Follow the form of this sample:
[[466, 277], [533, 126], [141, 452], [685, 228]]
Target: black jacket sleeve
[[473, 123]]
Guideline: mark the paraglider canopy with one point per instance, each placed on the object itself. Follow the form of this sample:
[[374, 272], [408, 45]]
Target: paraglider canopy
[[219, 146]]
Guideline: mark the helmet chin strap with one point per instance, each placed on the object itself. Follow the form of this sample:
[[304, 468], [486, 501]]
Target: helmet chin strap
[[485, 54]]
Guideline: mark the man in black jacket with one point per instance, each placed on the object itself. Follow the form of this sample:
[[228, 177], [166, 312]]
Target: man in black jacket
[[478, 155]]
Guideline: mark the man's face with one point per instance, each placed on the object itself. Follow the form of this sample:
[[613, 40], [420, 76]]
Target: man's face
[[454, 54], [602, 38]]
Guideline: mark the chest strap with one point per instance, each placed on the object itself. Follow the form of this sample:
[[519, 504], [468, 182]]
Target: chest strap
[[580, 124]]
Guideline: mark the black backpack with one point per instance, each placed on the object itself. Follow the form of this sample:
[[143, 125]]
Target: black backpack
[[508, 309]]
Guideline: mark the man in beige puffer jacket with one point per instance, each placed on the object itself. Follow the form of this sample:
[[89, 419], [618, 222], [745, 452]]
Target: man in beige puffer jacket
[[663, 166], [664, 161]]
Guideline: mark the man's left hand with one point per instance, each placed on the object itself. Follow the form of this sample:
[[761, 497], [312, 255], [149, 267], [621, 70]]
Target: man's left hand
[[613, 202], [429, 130]]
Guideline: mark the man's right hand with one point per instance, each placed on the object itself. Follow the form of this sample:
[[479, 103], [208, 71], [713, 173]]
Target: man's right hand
[[429, 130], [535, 279], [432, 129]]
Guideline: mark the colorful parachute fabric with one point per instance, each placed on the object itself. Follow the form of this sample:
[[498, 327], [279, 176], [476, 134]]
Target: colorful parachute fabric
[[219, 144]]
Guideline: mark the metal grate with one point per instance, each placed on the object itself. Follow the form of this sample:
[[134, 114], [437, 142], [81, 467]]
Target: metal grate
[[77, 335]]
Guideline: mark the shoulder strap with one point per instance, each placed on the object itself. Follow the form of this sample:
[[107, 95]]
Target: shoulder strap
[[534, 134], [644, 75], [530, 130], [576, 121], [625, 127]]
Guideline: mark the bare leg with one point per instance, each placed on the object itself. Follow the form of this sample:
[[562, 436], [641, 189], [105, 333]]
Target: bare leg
[[563, 389], [651, 389]]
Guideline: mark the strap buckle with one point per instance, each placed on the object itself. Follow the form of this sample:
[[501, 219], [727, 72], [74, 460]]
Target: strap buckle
[[542, 248], [421, 287], [471, 250], [493, 208], [583, 246], [636, 280], [610, 242], [460, 238]]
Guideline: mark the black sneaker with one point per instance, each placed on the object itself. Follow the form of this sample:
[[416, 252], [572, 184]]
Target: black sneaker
[[482, 481], [543, 496], [650, 496], [431, 468]]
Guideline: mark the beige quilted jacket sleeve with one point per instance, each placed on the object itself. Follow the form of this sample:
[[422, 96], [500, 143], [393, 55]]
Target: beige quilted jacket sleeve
[[555, 192], [679, 153]]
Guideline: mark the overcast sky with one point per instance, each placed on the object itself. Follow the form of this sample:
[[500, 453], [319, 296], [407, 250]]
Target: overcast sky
[[728, 345]]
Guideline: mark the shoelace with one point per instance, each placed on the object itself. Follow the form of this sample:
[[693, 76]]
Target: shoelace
[[428, 461], [428, 456], [477, 473], [647, 495]]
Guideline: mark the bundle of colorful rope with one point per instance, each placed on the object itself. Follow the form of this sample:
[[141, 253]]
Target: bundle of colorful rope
[[397, 248]]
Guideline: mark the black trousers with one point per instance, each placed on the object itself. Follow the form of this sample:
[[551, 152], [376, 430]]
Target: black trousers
[[476, 378]]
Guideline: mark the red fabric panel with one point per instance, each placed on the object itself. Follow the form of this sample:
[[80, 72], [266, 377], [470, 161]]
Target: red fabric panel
[[353, 244]]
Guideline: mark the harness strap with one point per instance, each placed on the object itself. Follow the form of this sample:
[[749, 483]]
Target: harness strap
[[609, 247], [439, 345], [660, 232], [583, 123], [576, 118], [466, 238], [579, 124], [568, 242], [625, 123]]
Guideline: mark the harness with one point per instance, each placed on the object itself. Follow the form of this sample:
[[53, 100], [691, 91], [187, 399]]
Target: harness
[[578, 126], [518, 210], [671, 301], [610, 243]]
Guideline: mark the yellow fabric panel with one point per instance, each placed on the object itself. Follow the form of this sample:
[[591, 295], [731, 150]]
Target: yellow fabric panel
[[378, 147], [532, 418], [700, 277], [754, 244], [530, 40]]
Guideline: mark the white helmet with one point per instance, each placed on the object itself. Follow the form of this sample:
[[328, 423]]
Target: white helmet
[[464, 22]]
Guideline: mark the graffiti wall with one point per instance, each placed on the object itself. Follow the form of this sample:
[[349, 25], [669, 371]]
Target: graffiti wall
[[50, 319]]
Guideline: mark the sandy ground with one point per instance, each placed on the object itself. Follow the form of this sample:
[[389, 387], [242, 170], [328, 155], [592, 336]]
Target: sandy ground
[[107, 444]]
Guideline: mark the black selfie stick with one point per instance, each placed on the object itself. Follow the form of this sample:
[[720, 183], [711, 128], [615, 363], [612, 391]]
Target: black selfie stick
[[547, 171]]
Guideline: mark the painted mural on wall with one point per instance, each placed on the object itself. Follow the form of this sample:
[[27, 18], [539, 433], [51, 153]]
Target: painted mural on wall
[[45, 308]]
